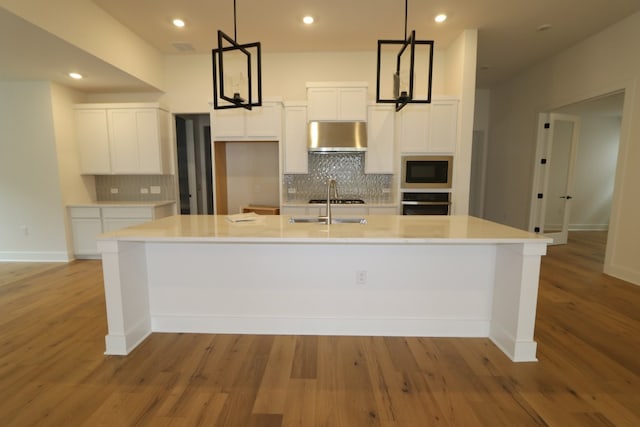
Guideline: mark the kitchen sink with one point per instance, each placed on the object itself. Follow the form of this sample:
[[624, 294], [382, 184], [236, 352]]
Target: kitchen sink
[[316, 220]]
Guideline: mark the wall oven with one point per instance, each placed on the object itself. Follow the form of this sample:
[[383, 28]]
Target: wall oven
[[426, 203], [426, 172]]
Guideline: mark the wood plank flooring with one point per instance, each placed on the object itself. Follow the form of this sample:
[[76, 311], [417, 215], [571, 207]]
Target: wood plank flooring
[[53, 371]]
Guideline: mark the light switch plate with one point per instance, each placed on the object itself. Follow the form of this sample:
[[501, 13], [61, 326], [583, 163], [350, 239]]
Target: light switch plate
[[155, 189]]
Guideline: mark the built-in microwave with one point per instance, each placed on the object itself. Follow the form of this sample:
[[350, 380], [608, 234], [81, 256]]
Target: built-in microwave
[[426, 172]]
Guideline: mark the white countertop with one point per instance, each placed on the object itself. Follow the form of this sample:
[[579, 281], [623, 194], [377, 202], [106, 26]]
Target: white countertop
[[122, 203], [380, 229]]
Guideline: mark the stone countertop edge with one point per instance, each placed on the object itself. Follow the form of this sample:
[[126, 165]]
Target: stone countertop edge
[[380, 229]]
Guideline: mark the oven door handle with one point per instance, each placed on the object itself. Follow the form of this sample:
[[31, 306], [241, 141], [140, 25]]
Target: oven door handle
[[415, 203]]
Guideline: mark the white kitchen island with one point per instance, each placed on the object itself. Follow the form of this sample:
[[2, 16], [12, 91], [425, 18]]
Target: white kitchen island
[[432, 276]]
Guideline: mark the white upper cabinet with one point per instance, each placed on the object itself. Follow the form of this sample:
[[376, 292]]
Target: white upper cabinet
[[92, 136], [414, 128], [429, 128], [380, 137], [295, 156], [238, 124], [123, 139], [443, 132], [337, 101]]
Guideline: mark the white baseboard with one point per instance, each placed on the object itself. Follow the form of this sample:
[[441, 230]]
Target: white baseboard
[[588, 227], [35, 256], [370, 326]]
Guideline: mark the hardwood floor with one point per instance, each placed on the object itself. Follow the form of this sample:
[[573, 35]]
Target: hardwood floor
[[53, 371]]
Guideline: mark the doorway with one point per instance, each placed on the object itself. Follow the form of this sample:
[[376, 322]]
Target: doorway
[[589, 170], [195, 178]]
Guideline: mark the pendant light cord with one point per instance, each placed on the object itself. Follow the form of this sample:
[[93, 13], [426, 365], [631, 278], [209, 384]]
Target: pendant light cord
[[406, 8], [235, 33]]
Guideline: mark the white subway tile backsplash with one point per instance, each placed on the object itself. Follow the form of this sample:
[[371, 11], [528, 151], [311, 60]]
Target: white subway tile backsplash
[[129, 188]]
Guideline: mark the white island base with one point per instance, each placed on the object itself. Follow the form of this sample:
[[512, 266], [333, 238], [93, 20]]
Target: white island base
[[394, 276]]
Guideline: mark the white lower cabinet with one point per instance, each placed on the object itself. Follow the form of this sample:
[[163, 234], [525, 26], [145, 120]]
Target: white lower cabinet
[[86, 224], [89, 221]]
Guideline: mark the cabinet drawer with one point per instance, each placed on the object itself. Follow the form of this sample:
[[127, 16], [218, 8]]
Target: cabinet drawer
[[128, 212], [84, 212]]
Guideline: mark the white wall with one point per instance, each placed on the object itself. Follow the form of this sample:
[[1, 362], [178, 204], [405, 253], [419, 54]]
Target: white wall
[[189, 87], [602, 64], [595, 172], [75, 188], [32, 215]]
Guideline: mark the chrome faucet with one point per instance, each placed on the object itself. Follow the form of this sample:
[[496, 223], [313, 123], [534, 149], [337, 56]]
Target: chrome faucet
[[331, 183]]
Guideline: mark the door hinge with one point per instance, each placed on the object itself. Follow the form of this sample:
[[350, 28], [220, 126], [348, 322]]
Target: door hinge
[[543, 161], [539, 195], [536, 229], [547, 125]]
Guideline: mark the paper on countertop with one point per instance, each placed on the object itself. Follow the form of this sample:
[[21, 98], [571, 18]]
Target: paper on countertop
[[245, 217]]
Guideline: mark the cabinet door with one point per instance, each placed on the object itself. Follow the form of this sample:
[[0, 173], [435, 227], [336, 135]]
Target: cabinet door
[[92, 136], [263, 122], [380, 131], [343, 103], [148, 142], [443, 132], [323, 103], [136, 146], [228, 124], [414, 129], [84, 232], [295, 140], [352, 104], [124, 141]]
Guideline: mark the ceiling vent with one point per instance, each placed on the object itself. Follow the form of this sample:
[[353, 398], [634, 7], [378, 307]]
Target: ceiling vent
[[183, 46]]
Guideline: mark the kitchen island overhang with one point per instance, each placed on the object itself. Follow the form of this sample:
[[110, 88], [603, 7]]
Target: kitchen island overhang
[[454, 276]]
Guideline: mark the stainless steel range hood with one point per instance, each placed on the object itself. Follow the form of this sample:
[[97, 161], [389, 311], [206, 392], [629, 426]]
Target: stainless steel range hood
[[337, 136]]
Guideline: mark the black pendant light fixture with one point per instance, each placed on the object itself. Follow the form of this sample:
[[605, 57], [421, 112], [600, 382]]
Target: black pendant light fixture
[[395, 83], [234, 67]]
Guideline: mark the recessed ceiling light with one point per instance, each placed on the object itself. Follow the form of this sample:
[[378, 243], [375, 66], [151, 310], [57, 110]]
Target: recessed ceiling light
[[76, 76], [308, 20], [178, 23], [441, 18]]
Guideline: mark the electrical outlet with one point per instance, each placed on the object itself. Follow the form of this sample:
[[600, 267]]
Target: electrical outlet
[[291, 190], [361, 277], [114, 190], [144, 190], [155, 189]]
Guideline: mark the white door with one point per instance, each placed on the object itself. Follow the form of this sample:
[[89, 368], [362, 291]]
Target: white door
[[556, 164]]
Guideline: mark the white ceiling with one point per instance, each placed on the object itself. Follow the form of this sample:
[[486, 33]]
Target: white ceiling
[[507, 38]]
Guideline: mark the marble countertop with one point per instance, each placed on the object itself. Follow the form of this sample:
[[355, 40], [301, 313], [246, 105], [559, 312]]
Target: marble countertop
[[380, 229], [122, 203]]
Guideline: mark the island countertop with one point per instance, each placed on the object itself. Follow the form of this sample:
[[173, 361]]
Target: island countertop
[[386, 229]]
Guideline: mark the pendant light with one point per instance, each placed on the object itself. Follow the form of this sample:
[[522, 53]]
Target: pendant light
[[397, 82], [234, 67]]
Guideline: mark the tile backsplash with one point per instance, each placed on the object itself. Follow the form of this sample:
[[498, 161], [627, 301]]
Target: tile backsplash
[[129, 188], [348, 170]]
